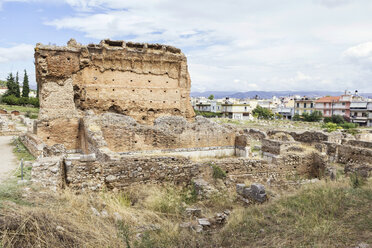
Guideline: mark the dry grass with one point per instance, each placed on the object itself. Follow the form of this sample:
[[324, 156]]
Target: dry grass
[[331, 214]]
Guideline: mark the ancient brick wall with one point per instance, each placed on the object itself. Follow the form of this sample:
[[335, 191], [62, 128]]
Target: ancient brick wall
[[144, 81], [121, 133]]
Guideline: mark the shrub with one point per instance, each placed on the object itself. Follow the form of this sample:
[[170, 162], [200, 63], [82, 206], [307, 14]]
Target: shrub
[[34, 102], [348, 125], [356, 180], [262, 113], [296, 117], [218, 173], [331, 127], [10, 100]]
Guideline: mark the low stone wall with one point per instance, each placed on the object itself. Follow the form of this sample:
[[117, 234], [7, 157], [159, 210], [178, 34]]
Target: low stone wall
[[348, 154], [49, 172], [276, 147], [358, 143], [312, 137], [94, 175], [33, 144]]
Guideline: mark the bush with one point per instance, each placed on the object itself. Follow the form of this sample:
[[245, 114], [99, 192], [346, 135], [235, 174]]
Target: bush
[[10, 100], [218, 173], [296, 117], [262, 113], [313, 117], [34, 102], [348, 125], [331, 127], [356, 180], [208, 114], [13, 100]]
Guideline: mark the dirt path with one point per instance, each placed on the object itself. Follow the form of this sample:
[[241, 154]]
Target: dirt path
[[7, 159]]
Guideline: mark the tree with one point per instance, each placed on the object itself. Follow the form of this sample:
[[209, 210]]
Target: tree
[[262, 113], [211, 97], [313, 117], [26, 86], [10, 84], [296, 117], [17, 90]]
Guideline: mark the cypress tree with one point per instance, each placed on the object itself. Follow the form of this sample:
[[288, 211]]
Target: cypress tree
[[17, 90], [26, 86], [10, 84]]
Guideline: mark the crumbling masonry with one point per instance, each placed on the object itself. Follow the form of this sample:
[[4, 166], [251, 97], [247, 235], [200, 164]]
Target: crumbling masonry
[[119, 113]]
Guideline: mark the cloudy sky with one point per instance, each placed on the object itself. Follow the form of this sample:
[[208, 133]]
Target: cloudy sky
[[231, 45]]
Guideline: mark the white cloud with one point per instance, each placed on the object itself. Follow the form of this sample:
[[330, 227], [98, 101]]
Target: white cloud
[[360, 54], [21, 52], [241, 44]]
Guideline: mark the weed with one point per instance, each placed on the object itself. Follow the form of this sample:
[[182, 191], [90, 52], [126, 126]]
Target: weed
[[20, 151], [124, 232], [218, 173], [356, 180]]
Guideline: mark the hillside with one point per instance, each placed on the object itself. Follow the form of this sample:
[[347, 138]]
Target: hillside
[[269, 94]]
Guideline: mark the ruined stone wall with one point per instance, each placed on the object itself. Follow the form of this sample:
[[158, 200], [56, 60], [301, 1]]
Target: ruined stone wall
[[129, 170], [144, 81], [121, 133], [348, 154]]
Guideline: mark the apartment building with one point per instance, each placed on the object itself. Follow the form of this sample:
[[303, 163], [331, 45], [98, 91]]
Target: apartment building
[[239, 111], [304, 105], [361, 113]]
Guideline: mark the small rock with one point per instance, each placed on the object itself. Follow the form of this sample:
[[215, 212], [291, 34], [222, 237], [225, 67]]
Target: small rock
[[110, 178], [193, 212], [198, 228], [240, 188], [363, 245], [95, 211], [185, 224], [117, 216], [104, 214], [60, 229], [204, 222]]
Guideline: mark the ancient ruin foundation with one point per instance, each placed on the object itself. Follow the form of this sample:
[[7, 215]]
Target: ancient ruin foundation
[[143, 81], [119, 113]]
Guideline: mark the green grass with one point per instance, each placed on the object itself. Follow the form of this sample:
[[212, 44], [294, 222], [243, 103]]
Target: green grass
[[22, 109], [21, 152]]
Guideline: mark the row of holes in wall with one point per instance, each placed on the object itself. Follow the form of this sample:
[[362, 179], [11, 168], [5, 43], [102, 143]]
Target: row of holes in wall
[[149, 72], [133, 90], [140, 101], [149, 81]]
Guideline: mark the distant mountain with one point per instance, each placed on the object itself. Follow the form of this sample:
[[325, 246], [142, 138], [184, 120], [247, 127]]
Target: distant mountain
[[269, 94]]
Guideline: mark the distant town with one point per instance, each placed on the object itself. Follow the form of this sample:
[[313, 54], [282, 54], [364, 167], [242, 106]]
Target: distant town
[[351, 106]]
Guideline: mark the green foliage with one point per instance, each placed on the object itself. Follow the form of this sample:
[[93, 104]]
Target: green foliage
[[331, 127], [13, 100], [10, 100], [20, 151], [356, 180], [338, 119], [211, 97], [2, 83], [218, 173], [313, 117], [26, 86], [208, 114], [296, 117], [124, 232], [189, 195], [348, 125], [262, 113], [17, 90], [338, 122]]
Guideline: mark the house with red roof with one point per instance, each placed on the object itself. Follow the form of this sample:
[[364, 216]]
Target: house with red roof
[[334, 105]]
